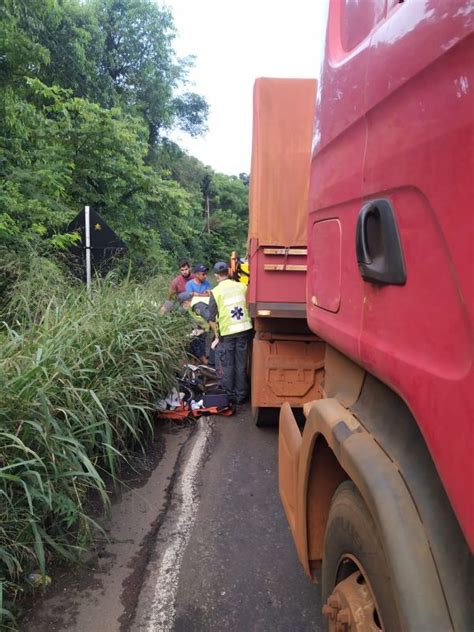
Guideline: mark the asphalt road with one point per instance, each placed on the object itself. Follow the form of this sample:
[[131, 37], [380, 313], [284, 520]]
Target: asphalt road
[[201, 544], [238, 571]]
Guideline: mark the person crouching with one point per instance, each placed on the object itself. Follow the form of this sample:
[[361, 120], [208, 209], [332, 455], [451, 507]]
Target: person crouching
[[198, 307]]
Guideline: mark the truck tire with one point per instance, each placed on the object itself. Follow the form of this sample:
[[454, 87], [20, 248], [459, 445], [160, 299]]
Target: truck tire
[[356, 586], [265, 417]]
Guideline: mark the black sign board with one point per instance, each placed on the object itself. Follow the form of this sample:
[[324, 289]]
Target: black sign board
[[105, 244]]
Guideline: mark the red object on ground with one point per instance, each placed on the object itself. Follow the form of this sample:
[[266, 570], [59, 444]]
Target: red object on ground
[[185, 412]]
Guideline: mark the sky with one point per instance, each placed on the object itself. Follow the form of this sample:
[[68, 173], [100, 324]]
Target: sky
[[234, 43]]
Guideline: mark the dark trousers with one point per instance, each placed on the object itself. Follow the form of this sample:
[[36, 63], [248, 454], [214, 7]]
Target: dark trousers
[[231, 365], [198, 346]]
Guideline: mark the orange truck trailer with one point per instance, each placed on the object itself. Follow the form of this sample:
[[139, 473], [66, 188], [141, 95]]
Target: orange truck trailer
[[287, 358], [378, 489]]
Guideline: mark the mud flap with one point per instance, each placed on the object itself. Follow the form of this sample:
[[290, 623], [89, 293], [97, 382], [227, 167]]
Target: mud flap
[[289, 445]]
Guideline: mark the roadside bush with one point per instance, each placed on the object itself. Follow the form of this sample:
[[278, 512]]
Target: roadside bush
[[77, 382]]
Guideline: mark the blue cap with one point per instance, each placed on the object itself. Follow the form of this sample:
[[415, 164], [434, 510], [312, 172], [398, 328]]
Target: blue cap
[[200, 267], [221, 266]]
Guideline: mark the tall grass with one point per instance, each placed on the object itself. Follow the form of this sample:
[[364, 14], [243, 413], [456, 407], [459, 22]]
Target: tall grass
[[77, 380]]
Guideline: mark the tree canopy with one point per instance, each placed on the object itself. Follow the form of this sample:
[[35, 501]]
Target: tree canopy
[[91, 91]]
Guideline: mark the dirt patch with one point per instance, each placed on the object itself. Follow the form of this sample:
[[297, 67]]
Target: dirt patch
[[100, 593]]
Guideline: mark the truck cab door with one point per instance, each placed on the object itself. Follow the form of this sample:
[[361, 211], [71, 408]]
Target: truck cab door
[[334, 288]]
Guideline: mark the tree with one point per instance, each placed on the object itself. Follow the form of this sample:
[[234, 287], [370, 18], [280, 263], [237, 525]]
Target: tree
[[71, 32], [112, 52], [63, 154], [21, 53], [231, 194], [139, 58], [87, 86]]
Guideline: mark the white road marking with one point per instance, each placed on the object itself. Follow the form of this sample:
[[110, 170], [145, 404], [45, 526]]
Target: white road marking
[[162, 611]]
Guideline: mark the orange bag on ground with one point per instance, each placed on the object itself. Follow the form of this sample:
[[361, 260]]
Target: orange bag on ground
[[185, 412]]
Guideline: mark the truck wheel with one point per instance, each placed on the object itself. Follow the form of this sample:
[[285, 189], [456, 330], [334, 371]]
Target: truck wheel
[[265, 417], [356, 588]]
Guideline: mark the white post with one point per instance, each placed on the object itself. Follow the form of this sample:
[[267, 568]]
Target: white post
[[208, 214], [88, 248]]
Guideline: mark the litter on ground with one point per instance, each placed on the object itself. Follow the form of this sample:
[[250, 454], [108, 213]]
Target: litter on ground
[[197, 394]]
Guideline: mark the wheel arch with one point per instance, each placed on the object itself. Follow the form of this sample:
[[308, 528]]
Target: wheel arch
[[325, 474], [367, 434], [331, 427]]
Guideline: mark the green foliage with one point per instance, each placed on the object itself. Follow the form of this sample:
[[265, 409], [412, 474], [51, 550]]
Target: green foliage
[[78, 379], [71, 33], [21, 53], [63, 146], [138, 58], [227, 226], [228, 204], [90, 88], [231, 194]]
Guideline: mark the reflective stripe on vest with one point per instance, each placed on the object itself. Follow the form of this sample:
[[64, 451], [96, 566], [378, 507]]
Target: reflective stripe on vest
[[200, 319], [232, 313]]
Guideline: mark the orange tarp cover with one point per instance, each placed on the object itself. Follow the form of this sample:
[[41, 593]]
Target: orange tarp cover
[[283, 116]]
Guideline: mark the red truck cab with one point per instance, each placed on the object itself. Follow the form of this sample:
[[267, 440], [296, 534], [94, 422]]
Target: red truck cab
[[390, 291]]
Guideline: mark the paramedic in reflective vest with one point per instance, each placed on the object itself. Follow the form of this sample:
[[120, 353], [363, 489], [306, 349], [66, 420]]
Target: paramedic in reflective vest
[[230, 320]]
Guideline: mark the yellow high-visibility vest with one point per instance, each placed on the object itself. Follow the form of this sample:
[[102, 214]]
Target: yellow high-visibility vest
[[232, 313]]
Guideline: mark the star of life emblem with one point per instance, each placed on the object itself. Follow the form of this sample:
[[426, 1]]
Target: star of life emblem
[[237, 313]]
